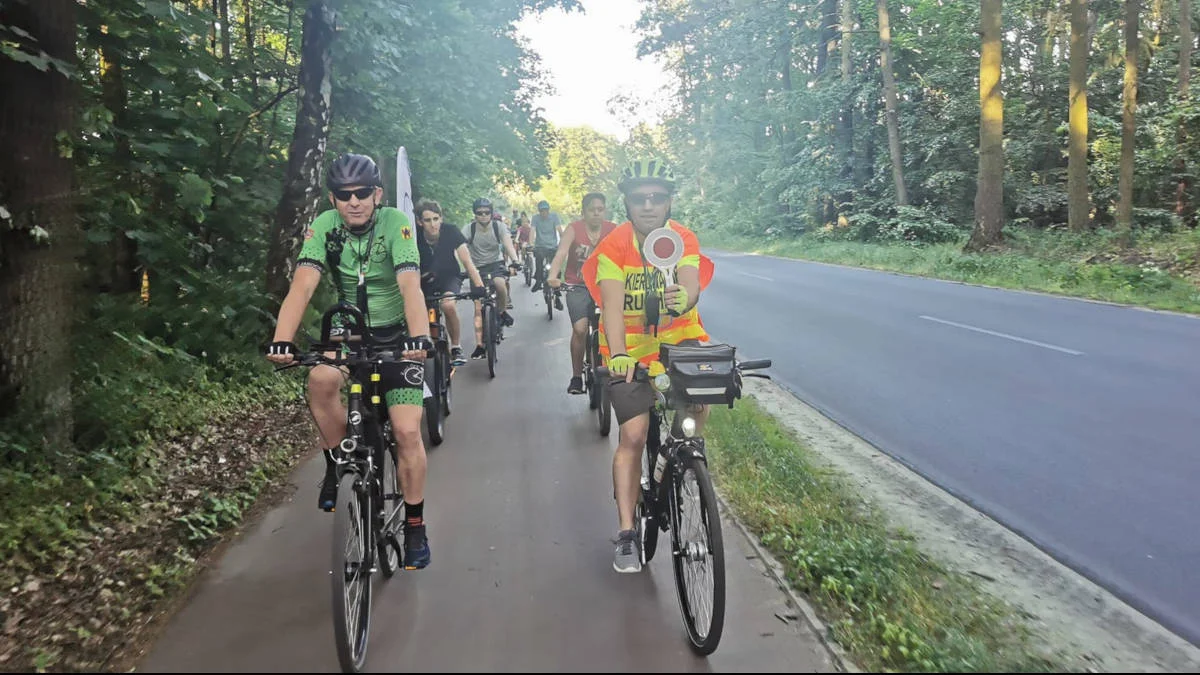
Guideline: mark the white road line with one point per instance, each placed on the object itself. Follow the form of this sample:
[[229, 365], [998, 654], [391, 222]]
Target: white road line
[[756, 276], [1005, 336]]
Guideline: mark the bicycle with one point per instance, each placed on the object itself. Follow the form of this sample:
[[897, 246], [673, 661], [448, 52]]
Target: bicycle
[[597, 394], [527, 263], [493, 332], [676, 490], [439, 368], [368, 515]]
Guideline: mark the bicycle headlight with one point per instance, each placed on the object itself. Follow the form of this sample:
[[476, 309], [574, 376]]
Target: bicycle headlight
[[688, 426], [662, 382]]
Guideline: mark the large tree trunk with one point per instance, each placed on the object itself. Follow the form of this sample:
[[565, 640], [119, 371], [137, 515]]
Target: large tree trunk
[[1128, 119], [989, 195], [116, 266], [846, 120], [829, 11], [1079, 207], [889, 97], [37, 227], [1183, 208], [302, 187]]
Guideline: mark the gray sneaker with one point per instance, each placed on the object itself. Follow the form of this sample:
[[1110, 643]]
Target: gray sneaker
[[628, 559]]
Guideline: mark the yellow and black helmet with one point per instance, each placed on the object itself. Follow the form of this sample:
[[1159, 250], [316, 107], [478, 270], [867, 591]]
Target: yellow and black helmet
[[646, 170]]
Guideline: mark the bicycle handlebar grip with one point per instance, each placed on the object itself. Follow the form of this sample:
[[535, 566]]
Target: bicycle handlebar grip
[[756, 364]]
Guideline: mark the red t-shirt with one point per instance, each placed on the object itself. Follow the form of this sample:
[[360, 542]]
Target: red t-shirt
[[581, 248]]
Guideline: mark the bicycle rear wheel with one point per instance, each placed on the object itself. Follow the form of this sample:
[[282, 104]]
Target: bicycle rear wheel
[[699, 555], [644, 514], [590, 381], [603, 408], [387, 545], [350, 573]]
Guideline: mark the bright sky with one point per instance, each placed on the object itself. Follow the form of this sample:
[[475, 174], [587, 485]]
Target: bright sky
[[591, 56]]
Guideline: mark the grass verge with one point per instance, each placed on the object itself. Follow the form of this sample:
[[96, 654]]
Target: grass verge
[[1158, 271], [889, 605]]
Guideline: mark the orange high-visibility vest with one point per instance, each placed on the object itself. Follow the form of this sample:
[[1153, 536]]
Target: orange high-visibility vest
[[618, 257]]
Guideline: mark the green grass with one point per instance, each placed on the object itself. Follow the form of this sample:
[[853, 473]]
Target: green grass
[[1088, 266], [889, 605]]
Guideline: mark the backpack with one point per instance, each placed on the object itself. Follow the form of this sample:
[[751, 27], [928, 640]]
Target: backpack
[[495, 231]]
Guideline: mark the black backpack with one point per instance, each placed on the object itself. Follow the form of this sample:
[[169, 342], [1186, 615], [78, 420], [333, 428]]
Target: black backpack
[[495, 231]]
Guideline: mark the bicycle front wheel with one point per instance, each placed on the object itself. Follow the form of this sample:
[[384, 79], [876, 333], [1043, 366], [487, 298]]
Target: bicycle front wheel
[[699, 554], [435, 412], [350, 573], [491, 329], [390, 511]]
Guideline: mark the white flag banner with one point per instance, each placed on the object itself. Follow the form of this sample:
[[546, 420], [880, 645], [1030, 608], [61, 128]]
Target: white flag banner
[[404, 200]]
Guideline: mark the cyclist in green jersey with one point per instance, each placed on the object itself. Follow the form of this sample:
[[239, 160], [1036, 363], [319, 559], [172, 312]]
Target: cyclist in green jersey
[[371, 254]]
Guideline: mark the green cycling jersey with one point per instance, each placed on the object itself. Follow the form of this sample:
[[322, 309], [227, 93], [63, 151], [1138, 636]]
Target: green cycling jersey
[[375, 255]]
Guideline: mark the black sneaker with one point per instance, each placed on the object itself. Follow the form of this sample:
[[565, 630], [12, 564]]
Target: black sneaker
[[416, 547], [327, 500], [456, 357], [558, 302], [576, 386], [479, 353], [537, 286], [506, 318]]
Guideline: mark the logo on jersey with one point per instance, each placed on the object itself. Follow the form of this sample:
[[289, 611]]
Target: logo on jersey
[[406, 232]]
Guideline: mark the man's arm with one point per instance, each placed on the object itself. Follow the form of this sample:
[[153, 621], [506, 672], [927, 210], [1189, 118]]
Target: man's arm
[[506, 242], [564, 247], [469, 265], [688, 279], [415, 313], [300, 293], [612, 303]]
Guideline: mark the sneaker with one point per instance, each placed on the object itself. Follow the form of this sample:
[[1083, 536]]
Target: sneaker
[[537, 286], [479, 353], [456, 357], [627, 559], [558, 302], [576, 386], [327, 500], [506, 318], [416, 547], [509, 305]]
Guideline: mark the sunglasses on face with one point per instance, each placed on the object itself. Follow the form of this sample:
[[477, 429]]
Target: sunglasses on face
[[655, 198], [361, 193], [483, 213]]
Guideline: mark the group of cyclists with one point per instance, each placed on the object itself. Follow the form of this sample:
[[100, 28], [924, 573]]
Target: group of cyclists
[[390, 269]]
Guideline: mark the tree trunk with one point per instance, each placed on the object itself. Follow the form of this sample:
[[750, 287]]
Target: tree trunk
[[889, 96], [846, 121], [1079, 206], [37, 228], [1128, 120], [1183, 208], [226, 44], [828, 10], [989, 195], [248, 27], [302, 186]]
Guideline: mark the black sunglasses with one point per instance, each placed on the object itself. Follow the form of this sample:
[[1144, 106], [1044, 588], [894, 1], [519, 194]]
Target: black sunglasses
[[483, 213], [361, 193], [655, 198]]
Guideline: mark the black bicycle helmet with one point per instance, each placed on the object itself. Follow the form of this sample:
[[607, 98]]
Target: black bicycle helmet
[[481, 202], [351, 169]]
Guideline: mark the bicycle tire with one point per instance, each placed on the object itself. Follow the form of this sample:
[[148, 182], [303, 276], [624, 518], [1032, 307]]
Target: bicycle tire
[[350, 573], [386, 542], [489, 339], [448, 369], [435, 418], [548, 296], [590, 381], [644, 516], [703, 627], [604, 411]]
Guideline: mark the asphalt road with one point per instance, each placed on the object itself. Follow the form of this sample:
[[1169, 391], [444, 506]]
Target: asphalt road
[[520, 514], [1076, 424]]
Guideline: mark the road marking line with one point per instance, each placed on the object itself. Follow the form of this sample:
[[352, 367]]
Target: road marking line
[[555, 342], [1005, 336], [756, 276]]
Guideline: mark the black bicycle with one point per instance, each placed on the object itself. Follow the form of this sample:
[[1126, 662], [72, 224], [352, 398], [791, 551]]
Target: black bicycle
[[439, 368], [527, 260], [493, 330], [369, 512], [677, 493], [550, 295], [592, 384]]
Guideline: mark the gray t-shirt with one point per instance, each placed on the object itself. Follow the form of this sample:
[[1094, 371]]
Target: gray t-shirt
[[547, 230], [484, 247]]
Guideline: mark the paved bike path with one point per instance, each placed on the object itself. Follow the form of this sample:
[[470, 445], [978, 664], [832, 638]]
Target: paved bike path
[[520, 515]]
